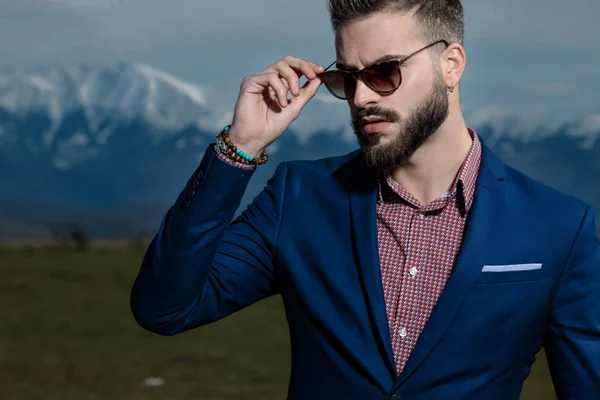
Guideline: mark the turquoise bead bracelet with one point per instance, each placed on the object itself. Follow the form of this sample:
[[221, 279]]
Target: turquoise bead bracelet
[[237, 154], [238, 151]]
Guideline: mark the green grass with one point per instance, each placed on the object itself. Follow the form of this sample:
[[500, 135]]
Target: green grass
[[67, 333]]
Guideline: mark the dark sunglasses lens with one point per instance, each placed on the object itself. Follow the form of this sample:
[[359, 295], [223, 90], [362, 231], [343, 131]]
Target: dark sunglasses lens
[[340, 84], [384, 77]]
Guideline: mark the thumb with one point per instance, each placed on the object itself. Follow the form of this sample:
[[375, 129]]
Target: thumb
[[307, 92]]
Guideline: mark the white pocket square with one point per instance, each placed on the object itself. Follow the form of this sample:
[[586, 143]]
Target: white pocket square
[[510, 267]]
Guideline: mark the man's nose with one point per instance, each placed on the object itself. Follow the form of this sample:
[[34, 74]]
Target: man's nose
[[364, 95]]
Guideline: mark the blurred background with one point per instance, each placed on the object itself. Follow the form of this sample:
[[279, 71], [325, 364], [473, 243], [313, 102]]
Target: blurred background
[[107, 106]]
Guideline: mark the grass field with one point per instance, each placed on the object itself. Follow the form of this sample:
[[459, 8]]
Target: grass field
[[67, 333]]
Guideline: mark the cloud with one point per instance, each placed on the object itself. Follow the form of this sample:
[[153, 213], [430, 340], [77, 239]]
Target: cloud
[[531, 125], [552, 87], [92, 4], [129, 24], [589, 128], [570, 24]]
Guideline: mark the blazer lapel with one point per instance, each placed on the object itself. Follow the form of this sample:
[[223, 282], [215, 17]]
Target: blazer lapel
[[485, 216], [361, 184]]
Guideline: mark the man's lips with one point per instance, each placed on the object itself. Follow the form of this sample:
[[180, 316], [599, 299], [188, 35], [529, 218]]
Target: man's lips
[[372, 120], [375, 125]]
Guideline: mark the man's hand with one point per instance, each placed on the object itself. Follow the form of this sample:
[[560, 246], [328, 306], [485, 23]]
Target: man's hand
[[263, 111]]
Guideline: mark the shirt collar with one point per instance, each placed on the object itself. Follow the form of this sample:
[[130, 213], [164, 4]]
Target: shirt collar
[[463, 189]]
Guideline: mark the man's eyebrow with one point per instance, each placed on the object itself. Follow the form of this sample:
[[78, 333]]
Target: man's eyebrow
[[388, 57]]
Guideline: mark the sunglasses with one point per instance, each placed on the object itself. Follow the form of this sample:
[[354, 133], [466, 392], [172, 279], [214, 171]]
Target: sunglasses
[[383, 77]]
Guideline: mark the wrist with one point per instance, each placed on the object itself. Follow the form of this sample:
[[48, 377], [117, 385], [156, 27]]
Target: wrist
[[250, 147], [230, 148]]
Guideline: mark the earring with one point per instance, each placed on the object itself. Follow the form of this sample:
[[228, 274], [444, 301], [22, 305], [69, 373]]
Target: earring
[[451, 89]]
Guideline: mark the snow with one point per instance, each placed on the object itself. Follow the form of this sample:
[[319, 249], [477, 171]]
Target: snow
[[193, 92], [55, 113], [79, 139], [151, 102], [120, 92], [104, 134], [590, 125], [85, 97], [589, 128], [39, 82]]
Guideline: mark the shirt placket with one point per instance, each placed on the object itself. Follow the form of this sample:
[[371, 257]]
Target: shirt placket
[[393, 262], [409, 296]]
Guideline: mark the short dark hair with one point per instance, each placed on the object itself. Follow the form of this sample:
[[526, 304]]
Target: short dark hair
[[437, 19]]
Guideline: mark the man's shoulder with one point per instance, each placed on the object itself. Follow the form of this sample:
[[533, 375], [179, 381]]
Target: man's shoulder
[[543, 196]]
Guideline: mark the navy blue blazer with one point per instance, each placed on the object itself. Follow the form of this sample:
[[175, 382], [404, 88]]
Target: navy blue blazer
[[311, 237]]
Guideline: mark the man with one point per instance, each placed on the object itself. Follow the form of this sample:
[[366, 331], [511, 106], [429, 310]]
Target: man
[[419, 267]]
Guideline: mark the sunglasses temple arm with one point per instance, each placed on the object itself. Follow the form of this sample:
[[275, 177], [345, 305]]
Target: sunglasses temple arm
[[330, 65]]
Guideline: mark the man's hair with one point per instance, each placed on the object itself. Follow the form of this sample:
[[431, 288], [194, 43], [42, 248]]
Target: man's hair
[[436, 19]]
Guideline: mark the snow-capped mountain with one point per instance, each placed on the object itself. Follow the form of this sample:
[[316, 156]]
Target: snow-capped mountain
[[110, 148], [76, 110], [127, 90]]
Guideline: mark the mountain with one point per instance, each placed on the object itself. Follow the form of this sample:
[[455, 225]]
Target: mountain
[[109, 149]]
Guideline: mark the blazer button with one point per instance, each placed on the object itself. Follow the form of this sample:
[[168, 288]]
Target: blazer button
[[186, 203], [394, 397], [199, 177]]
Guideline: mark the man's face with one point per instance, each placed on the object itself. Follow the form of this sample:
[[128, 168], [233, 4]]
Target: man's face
[[415, 111]]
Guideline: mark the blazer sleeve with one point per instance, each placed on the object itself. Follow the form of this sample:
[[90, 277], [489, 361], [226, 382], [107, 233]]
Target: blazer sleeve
[[573, 336], [201, 266]]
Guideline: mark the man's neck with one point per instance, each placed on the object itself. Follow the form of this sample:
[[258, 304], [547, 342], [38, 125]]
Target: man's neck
[[432, 170]]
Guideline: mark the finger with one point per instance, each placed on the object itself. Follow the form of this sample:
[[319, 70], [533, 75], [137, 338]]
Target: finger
[[269, 82], [300, 66], [303, 67], [284, 82], [280, 90], [307, 92], [290, 77], [287, 89]]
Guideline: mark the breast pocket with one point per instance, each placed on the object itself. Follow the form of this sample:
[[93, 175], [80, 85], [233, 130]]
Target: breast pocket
[[499, 273]]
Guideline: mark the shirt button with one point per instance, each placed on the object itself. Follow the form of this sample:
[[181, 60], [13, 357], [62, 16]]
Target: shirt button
[[413, 271], [403, 332]]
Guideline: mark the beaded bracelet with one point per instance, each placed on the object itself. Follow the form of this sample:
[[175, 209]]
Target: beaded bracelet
[[227, 147]]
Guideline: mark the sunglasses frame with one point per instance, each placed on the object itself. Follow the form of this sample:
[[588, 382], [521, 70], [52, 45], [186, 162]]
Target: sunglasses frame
[[360, 73]]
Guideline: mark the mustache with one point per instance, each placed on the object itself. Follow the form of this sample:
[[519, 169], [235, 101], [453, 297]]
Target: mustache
[[376, 111]]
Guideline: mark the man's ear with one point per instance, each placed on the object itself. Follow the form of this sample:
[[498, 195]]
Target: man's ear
[[453, 61]]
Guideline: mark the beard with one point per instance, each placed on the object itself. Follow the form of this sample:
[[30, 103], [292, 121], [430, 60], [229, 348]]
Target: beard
[[414, 131]]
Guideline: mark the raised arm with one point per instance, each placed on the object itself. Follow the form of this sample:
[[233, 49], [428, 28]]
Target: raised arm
[[199, 268]]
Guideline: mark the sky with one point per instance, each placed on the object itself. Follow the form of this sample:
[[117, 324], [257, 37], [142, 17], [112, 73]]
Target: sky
[[523, 57]]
